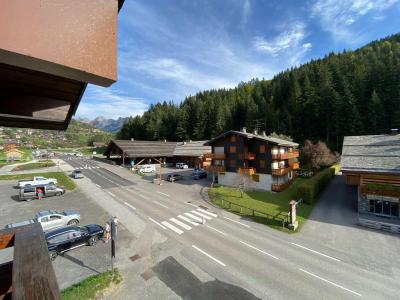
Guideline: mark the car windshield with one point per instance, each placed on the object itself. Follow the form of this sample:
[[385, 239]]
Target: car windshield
[[77, 172]]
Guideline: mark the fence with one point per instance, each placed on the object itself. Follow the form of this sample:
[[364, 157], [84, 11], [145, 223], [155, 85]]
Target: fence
[[281, 220]]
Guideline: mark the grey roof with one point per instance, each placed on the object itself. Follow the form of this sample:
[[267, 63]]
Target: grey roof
[[192, 148], [273, 140], [371, 153]]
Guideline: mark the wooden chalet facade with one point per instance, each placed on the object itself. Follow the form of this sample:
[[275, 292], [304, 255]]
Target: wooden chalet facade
[[267, 163], [372, 163]]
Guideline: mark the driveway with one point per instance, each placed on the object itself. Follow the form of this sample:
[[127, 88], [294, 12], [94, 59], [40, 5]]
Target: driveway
[[333, 223]]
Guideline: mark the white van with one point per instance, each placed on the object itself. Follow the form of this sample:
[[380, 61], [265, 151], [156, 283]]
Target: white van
[[147, 169]]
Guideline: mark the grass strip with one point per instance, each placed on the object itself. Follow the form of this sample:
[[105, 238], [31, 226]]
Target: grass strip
[[36, 165], [63, 180]]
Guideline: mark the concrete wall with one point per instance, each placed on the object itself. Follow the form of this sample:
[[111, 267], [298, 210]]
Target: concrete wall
[[232, 179]]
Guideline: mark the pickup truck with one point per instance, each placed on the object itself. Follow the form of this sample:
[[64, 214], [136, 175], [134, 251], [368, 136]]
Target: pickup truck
[[51, 219], [36, 181]]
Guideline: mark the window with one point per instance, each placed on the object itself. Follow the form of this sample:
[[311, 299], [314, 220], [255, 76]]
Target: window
[[394, 208], [232, 149], [44, 219], [262, 149], [53, 218], [233, 138], [262, 163], [232, 163], [256, 177]]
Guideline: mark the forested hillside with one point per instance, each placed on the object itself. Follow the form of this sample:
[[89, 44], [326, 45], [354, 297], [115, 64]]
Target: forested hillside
[[349, 93]]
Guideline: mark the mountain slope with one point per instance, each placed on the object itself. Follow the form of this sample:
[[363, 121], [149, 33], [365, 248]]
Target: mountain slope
[[348, 93], [109, 125]]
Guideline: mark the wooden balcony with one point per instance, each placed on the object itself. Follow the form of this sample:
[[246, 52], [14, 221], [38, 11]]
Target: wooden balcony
[[286, 155], [247, 171], [281, 171], [247, 156], [216, 169], [281, 187], [30, 275], [218, 156], [295, 165]]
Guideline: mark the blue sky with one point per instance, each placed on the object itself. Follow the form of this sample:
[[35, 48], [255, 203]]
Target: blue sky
[[175, 48]]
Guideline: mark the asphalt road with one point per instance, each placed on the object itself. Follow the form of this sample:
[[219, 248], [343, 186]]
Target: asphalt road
[[268, 264]]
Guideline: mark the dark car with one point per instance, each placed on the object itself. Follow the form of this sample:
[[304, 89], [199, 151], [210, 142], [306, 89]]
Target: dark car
[[67, 238], [174, 177], [200, 175]]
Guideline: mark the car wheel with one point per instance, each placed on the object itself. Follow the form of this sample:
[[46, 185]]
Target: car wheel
[[59, 194], [92, 241], [53, 255], [73, 222]]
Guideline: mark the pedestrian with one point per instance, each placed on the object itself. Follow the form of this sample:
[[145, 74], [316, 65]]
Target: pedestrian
[[39, 192], [107, 234], [116, 221]]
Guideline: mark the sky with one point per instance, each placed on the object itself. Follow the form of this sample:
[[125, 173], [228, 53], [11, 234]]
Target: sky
[[170, 49]]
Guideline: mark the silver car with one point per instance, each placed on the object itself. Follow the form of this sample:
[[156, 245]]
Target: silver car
[[76, 174], [51, 219]]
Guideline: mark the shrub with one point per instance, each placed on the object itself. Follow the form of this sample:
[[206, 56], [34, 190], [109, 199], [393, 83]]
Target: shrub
[[315, 185]]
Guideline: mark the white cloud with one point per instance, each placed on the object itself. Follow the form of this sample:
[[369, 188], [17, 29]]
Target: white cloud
[[338, 16], [109, 103], [285, 40], [307, 45], [246, 12]]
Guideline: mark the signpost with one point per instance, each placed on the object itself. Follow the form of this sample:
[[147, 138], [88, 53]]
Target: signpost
[[113, 240]]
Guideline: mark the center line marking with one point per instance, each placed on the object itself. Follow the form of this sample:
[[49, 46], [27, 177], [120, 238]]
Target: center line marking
[[223, 233], [127, 204], [158, 203], [237, 222], [154, 221], [335, 284], [248, 245], [97, 185], [327, 256], [141, 196], [162, 193], [110, 193], [208, 255]]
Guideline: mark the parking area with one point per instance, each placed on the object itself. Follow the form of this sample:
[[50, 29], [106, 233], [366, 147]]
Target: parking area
[[76, 264]]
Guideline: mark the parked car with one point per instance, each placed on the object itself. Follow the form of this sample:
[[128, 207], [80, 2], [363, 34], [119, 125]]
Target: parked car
[[36, 180], [181, 166], [200, 175], [78, 154], [51, 219], [76, 174], [67, 238], [174, 177], [147, 169], [31, 192], [196, 170]]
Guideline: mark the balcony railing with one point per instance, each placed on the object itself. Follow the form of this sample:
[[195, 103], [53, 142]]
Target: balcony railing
[[285, 155], [247, 156], [247, 171], [216, 169], [295, 165], [281, 187], [218, 156], [30, 275], [281, 171]]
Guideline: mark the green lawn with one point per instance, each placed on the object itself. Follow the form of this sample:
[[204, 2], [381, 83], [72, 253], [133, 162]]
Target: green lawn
[[276, 204], [27, 156], [92, 287], [36, 165], [63, 180]]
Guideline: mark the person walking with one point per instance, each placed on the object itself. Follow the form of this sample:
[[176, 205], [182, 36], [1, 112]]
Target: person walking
[[107, 234]]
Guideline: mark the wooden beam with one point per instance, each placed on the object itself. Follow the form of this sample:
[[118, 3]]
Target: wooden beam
[[6, 280]]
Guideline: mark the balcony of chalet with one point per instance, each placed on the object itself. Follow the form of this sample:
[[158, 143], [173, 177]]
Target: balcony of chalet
[[281, 171], [283, 153], [216, 169], [218, 156], [281, 186], [247, 171], [247, 156]]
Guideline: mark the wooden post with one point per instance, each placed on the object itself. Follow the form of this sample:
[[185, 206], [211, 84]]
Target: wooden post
[[123, 158]]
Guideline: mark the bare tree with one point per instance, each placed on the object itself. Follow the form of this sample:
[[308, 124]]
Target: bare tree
[[244, 182], [317, 155]]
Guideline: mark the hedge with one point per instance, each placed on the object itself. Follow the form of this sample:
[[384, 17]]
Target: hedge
[[310, 190]]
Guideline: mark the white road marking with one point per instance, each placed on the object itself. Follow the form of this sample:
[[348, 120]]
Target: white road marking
[[97, 185], [248, 245], [223, 233], [110, 193], [162, 193], [183, 225], [202, 215], [127, 204], [172, 227], [188, 220], [194, 217], [207, 212], [335, 284], [191, 204], [154, 221], [245, 225], [141, 196], [158, 203], [327, 256], [208, 255]]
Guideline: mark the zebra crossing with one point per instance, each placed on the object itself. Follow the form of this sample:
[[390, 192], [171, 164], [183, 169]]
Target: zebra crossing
[[87, 167], [186, 221]]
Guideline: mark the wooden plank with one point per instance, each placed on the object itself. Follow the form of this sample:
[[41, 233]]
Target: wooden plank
[[6, 280], [33, 275]]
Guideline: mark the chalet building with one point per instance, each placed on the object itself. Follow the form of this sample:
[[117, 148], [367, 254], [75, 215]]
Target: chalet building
[[133, 152], [372, 163], [267, 163], [14, 154]]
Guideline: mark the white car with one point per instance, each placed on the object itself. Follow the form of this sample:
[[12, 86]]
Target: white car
[[181, 166], [36, 181], [147, 169]]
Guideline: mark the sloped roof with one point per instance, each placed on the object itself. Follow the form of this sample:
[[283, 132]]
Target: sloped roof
[[191, 148], [371, 153], [273, 140]]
